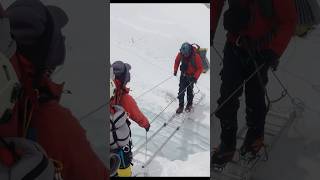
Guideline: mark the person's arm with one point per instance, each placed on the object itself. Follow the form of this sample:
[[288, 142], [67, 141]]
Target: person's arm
[[177, 63], [215, 13], [130, 105], [199, 66], [286, 18]]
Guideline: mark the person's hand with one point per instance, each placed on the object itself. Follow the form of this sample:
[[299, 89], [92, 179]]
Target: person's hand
[[270, 58], [148, 127], [175, 73]]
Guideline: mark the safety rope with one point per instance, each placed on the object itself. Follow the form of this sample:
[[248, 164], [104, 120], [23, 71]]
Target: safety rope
[[146, 163], [104, 104], [239, 87], [167, 140], [142, 94], [269, 101], [183, 91]]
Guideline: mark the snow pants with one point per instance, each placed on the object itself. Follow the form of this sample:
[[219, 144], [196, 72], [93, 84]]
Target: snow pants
[[183, 87], [237, 67]]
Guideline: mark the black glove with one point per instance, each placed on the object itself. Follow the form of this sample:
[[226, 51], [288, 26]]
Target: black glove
[[175, 73], [269, 57], [147, 128], [193, 80]]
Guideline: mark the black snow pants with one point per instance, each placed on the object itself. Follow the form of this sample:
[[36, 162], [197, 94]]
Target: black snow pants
[[184, 86], [237, 67]]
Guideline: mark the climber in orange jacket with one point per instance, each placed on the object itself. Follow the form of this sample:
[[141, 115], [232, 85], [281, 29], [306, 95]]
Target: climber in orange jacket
[[122, 96], [122, 108], [37, 114]]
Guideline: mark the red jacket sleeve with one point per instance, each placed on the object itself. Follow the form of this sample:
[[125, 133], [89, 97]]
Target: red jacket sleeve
[[177, 62], [215, 11], [130, 105], [199, 66], [286, 19]]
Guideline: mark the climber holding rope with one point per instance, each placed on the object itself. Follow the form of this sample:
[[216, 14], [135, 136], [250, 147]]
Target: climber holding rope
[[122, 108], [257, 36]]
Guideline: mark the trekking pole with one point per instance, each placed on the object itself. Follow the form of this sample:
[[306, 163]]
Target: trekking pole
[[145, 157]]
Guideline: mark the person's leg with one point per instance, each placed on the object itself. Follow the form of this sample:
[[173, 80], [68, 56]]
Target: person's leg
[[181, 93], [228, 103], [256, 109], [190, 93]]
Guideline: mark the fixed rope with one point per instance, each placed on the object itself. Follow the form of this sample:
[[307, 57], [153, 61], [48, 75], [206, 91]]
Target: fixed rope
[[163, 125], [183, 91], [105, 104]]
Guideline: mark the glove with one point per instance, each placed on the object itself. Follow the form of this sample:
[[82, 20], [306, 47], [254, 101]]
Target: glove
[[175, 73], [270, 58], [193, 80], [148, 127]]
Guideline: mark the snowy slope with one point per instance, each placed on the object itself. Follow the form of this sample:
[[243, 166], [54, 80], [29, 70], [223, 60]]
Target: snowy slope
[[149, 36], [84, 70], [296, 155]]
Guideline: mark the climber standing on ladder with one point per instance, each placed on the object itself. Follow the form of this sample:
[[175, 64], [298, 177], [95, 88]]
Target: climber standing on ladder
[[191, 68], [122, 107], [258, 34]]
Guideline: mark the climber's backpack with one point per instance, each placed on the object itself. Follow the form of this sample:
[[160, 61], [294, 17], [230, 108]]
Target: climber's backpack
[[204, 60], [120, 133]]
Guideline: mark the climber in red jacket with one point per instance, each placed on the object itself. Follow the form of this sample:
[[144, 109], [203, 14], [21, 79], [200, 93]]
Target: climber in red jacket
[[191, 69], [258, 32], [36, 114]]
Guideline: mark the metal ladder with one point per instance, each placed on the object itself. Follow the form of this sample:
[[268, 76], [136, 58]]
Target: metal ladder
[[276, 124], [163, 135]]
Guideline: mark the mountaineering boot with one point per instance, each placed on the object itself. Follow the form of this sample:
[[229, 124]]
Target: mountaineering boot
[[221, 156], [252, 144], [188, 107], [180, 109]]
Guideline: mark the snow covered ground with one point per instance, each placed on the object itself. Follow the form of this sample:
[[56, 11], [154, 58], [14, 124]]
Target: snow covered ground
[[149, 36], [296, 155]]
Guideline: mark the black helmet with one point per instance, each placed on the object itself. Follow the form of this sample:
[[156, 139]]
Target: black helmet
[[186, 49]]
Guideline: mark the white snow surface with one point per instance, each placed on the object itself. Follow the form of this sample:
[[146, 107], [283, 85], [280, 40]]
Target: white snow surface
[[148, 37], [296, 155]]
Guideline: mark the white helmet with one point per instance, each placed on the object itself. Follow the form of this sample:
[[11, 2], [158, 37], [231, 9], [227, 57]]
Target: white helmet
[[9, 88], [112, 84]]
